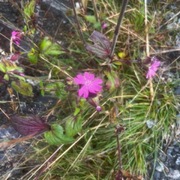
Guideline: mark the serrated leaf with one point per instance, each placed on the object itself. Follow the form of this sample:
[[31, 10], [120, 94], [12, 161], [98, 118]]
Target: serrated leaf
[[22, 87], [73, 126]]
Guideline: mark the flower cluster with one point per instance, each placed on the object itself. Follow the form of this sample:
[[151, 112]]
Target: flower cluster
[[89, 85], [16, 37], [154, 66]]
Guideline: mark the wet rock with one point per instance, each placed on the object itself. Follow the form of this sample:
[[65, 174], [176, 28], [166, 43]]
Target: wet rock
[[37, 105], [168, 168], [10, 156], [58, 6], [174, 174]]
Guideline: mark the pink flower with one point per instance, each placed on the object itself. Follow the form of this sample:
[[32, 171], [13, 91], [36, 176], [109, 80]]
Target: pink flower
[[89, 85], [98, 108], [104, 25], [15, 56], [16, 37], [153, 68]]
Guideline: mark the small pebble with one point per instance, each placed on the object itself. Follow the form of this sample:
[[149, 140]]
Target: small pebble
[[162, 157], [178, 161], [169, 151], [160, 167], [174, 174], [177, 149], [150, 123], [157, 176]]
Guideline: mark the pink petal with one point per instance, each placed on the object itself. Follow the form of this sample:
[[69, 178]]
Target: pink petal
[[89, 76], [79, 79], [95, 88], [83, 92], [97, 81]]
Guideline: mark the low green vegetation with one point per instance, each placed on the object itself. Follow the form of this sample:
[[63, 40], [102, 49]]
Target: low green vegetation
[[117, 126]]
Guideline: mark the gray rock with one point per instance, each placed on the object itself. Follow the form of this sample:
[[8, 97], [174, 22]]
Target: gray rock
[[160, 167], [177, 91], [178, 161], [174, 174]]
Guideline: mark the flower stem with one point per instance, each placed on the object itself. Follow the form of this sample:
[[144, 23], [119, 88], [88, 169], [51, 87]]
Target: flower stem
[[116, 32]]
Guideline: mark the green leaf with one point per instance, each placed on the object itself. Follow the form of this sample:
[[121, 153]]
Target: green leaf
[[54, 51], [45, 44], [77, 111], [29, 9], [41, 84], [91, 19], [56, 136], [73, 126], [113, 80], [51, 139], [97, 25], [33, 56], [2, 67], [49, 48], [6, 77], [57, 88], [22, 87], [6, 66]]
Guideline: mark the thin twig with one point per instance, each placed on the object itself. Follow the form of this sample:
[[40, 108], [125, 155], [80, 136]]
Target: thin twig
[[116, 32], [119, 175], [5, 113], [77, 22], [146, 28], [147, 47], [6, 144]]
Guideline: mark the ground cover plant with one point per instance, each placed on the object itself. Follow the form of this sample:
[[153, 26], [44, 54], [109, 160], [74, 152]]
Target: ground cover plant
[[115, 99]]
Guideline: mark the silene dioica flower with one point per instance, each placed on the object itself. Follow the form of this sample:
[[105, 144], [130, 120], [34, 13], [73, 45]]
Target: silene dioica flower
[[16, 37], [154, 66], [89, 85]]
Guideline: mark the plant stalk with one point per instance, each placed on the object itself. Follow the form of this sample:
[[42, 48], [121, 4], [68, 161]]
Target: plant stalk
[[116, 32], [95, 10]]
